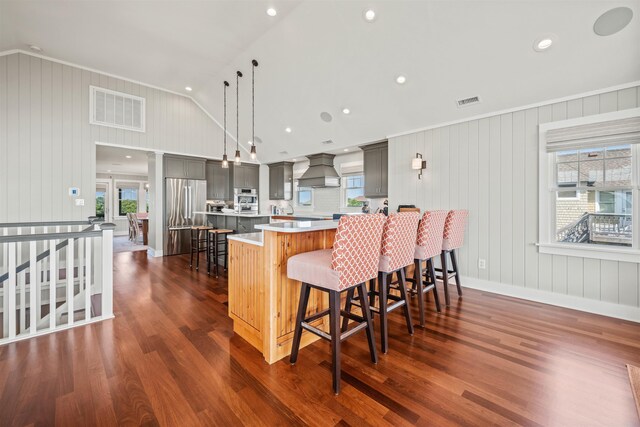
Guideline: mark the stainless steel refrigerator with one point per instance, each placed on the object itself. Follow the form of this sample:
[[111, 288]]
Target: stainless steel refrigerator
[[183, 197]]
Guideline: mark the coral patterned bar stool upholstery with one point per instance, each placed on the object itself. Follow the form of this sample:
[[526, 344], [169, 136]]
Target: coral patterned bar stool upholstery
[[428, 246], [398, 247], [452, 239], [349, 265]]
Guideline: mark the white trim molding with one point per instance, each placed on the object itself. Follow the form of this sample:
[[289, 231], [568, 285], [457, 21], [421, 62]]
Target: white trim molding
[[602, 308]]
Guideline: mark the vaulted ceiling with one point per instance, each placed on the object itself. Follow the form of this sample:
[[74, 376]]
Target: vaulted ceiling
[[323, 56]]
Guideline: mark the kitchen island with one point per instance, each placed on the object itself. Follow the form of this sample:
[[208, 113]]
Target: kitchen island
[[263, 302]]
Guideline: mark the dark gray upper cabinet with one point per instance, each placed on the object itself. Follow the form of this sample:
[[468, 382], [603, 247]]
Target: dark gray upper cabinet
[[281, 181], [217, 181], [184, 167], [245, 176], [376, 169]]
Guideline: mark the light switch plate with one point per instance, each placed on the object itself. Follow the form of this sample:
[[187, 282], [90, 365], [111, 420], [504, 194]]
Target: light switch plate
[[79, 202]]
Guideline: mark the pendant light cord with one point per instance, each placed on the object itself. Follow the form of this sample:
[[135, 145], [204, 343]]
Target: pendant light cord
[[238, 75], [226, 83], [253, 101]]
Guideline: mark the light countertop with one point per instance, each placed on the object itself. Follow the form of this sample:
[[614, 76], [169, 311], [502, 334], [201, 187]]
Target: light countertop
[[234, 214], [251, 238], [298, 226]]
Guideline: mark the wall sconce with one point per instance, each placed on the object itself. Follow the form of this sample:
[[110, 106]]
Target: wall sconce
[[418, 164]]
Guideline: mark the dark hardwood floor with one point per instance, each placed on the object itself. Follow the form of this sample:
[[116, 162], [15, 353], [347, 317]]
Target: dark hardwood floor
[[170, 358]]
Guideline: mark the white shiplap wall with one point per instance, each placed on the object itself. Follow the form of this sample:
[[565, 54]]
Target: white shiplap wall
[[47, 144], [490, 167]]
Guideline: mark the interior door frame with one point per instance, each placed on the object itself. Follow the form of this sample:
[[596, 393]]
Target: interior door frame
[[108, 214]]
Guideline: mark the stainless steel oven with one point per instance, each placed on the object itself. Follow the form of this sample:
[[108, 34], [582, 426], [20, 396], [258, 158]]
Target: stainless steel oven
[[245, 200]]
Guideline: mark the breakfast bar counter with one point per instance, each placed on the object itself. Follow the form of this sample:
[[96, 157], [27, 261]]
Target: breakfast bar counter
[[263, 302]]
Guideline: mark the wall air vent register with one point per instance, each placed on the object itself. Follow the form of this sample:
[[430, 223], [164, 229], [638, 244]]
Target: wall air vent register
[[116, 109]]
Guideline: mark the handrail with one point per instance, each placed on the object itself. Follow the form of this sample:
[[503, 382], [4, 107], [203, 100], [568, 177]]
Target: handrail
[[90, 220], [87, 232]]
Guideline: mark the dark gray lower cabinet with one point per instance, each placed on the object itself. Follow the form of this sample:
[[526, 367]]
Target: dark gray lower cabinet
[[239, 224]]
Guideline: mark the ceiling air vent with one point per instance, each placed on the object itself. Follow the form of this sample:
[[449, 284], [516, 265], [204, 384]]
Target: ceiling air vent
[[327, 142], [116, 109], [284, 152], [468, 101]]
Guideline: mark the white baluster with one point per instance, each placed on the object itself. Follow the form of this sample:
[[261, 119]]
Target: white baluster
[[107, 271], [34, 289], [22, 285], [80, 266], [87, 282], [10, 295], [53, 278], [70, 281]]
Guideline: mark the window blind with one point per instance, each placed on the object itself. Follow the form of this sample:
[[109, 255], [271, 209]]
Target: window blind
[[613, 132]]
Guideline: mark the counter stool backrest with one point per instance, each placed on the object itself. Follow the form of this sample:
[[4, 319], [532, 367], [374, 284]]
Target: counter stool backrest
[[453, 236], [356, 248], [430, 234], [399, 240]]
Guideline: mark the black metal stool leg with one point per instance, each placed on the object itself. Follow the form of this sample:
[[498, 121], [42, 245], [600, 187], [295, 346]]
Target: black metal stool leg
[[382, 286], [432, 273], [445, 277], [334, 327], [366, 313], [191, 250], [216, 250], [403, 295], [347, 309], [454, 264], [420, 285], [305, 290]]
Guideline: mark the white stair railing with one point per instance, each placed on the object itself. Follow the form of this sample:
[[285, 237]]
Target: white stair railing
[[50, 273]]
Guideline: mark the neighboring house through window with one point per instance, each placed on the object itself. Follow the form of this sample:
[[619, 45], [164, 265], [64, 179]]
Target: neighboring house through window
[[588, 186], [353, 188]]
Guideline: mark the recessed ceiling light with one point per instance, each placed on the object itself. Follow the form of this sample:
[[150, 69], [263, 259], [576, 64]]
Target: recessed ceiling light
[[401, 80], [346, 149], [293, 160], [369, 15], [612, 21], [287, 130], [188, 89], [346, 111], [128, 157], [108, 170], [35, 48], [272, 12], [544, 42]]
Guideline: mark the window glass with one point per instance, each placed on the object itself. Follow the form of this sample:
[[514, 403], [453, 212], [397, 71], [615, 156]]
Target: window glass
[[354, 188], [100, 200], [304, 197], [127, 201]]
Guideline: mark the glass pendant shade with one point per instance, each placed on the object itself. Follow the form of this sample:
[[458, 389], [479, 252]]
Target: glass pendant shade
[[238, 162], [253, 152], [225, 161]]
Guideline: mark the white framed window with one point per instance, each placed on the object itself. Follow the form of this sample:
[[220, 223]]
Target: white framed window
[[353, 187], [129, 196], [589, 170]]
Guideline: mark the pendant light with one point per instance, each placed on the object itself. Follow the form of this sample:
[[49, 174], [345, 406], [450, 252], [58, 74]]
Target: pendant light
[[225, 161], [237, 159], [253, 109]]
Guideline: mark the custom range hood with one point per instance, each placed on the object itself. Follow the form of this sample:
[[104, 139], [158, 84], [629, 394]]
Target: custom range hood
[[321, 173]]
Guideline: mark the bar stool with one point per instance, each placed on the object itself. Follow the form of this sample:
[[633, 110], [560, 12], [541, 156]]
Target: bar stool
[[398, 247], [198, 243], [428, 246], [452, 239], [352, 261], [213, 248]]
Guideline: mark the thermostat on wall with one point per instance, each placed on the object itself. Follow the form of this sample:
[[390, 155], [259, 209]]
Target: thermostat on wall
[[74, 191]]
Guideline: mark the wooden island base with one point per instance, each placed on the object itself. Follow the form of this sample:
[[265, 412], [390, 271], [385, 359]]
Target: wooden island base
[[263, 302]]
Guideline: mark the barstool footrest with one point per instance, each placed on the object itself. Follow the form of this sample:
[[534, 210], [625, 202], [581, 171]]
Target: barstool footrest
[[358, 328], [317, 316], [316, 331]]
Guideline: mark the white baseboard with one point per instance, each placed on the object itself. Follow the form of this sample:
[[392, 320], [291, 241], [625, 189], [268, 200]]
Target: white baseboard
[[618, 311], [154, 253], [121, 233]]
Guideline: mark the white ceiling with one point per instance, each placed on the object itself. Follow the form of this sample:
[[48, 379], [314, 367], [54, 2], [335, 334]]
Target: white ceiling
[[114, 160], [322, 56]]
